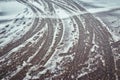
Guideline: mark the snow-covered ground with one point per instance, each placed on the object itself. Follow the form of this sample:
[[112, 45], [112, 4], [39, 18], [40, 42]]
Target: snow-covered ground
[[9, 9], [108, 11], [95, 6], [55, 38], [15, 19]]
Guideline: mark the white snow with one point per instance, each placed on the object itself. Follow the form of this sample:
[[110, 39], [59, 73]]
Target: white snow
[[101, 5], [114, 36], [10, 9], [14, 29]]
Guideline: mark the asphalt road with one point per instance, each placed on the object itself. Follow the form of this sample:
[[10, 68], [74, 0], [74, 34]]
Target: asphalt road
[[94, 52]]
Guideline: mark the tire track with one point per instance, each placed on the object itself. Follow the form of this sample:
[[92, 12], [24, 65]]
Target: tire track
[[86, 54]]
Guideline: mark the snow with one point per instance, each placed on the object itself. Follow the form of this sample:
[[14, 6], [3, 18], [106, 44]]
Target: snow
[[101, 5], [19, 24], [82, 74], [94, 10], [10, 9], [67, 44], [13, 32], [31, 39], [117, 12], [69, 38], [114, 36], [61, 13]]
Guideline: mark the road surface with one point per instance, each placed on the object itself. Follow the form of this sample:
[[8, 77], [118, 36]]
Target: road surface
[[64, 42]]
